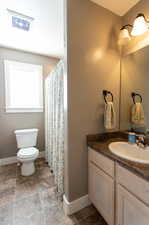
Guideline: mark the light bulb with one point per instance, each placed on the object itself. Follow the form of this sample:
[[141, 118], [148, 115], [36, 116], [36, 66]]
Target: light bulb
[[139, 26], [124, 37]]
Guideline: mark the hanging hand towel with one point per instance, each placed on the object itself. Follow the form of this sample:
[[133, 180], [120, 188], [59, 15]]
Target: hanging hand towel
[[109, 116], [137, 114]]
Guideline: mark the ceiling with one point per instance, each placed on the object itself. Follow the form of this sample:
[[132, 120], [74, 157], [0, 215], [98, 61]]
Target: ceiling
[[46, 33], [117, 6]]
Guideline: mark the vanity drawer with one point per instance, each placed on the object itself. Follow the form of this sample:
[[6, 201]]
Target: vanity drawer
[[138, 186], [104, 163]]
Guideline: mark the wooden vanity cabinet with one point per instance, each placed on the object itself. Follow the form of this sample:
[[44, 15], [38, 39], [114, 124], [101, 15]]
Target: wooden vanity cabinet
[[132, 194], [130, 210], [121, 197], [101, 185]]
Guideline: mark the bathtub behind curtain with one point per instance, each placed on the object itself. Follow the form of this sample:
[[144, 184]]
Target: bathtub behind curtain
[[54, 124]]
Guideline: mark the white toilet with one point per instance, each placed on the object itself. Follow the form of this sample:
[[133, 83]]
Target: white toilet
[[26, 142]]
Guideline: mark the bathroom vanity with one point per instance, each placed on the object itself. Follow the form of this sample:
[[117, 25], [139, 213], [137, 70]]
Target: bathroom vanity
[[118, 188]]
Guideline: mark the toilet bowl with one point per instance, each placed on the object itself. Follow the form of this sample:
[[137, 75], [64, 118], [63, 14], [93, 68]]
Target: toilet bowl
[[27, 153], [27, 157]]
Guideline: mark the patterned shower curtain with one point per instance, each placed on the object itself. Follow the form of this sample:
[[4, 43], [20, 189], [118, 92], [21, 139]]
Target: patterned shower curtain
[[54, 124]]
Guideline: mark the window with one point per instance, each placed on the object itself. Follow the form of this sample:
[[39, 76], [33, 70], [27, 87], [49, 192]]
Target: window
[[23, 87]]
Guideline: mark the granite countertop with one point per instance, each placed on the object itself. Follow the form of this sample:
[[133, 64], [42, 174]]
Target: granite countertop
[[100, 143]]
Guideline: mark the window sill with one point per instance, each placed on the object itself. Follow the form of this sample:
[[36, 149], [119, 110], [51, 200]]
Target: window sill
[[23, 110]]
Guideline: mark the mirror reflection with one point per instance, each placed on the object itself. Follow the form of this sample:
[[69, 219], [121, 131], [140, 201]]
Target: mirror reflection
[[135, 91]]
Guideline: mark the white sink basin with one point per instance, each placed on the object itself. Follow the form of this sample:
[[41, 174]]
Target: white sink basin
[[130, 151]]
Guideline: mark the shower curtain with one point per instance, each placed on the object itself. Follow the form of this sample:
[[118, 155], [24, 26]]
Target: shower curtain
[[54, 124]]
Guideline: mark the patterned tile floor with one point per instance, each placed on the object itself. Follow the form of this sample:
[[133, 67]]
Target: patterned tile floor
[[32, 201]]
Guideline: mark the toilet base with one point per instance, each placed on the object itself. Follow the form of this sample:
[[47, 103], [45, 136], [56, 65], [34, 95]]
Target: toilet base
[[27, 168]]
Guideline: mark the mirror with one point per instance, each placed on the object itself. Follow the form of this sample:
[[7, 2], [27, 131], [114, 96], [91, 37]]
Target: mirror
[[134, 78]]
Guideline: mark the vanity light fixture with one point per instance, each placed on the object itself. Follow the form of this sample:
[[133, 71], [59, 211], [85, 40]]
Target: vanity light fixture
[[139, 27]]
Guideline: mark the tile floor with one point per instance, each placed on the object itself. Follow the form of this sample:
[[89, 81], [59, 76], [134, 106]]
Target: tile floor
[[32, 201]]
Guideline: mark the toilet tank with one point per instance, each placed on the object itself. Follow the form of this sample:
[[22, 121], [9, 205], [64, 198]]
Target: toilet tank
[[26, 138]]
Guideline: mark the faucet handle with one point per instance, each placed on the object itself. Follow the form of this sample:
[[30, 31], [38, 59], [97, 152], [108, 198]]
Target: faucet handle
[[140, 140]]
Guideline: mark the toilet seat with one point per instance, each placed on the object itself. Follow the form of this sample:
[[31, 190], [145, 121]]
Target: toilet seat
[[27, 153]]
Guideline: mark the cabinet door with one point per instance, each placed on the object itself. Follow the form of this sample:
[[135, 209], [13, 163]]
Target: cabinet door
[[130, 210], [101, 192]]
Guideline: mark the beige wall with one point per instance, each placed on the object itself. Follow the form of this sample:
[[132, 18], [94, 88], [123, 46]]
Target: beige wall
[[12, 121], [93, 65]]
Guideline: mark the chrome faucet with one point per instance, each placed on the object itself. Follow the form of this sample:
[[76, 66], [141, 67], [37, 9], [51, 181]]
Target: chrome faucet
[[140, 140]]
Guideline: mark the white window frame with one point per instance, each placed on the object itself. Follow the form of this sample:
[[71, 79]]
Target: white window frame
[[10, 109]]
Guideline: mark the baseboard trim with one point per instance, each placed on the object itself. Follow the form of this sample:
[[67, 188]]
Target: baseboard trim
[[7, 161], [75, 206], [13, 159]]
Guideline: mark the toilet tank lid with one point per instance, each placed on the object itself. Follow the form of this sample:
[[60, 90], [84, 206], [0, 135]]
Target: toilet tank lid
[[24, 131]]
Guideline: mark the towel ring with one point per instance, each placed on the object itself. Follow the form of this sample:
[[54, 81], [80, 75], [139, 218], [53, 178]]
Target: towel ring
[[105, 93], [133, 94]]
